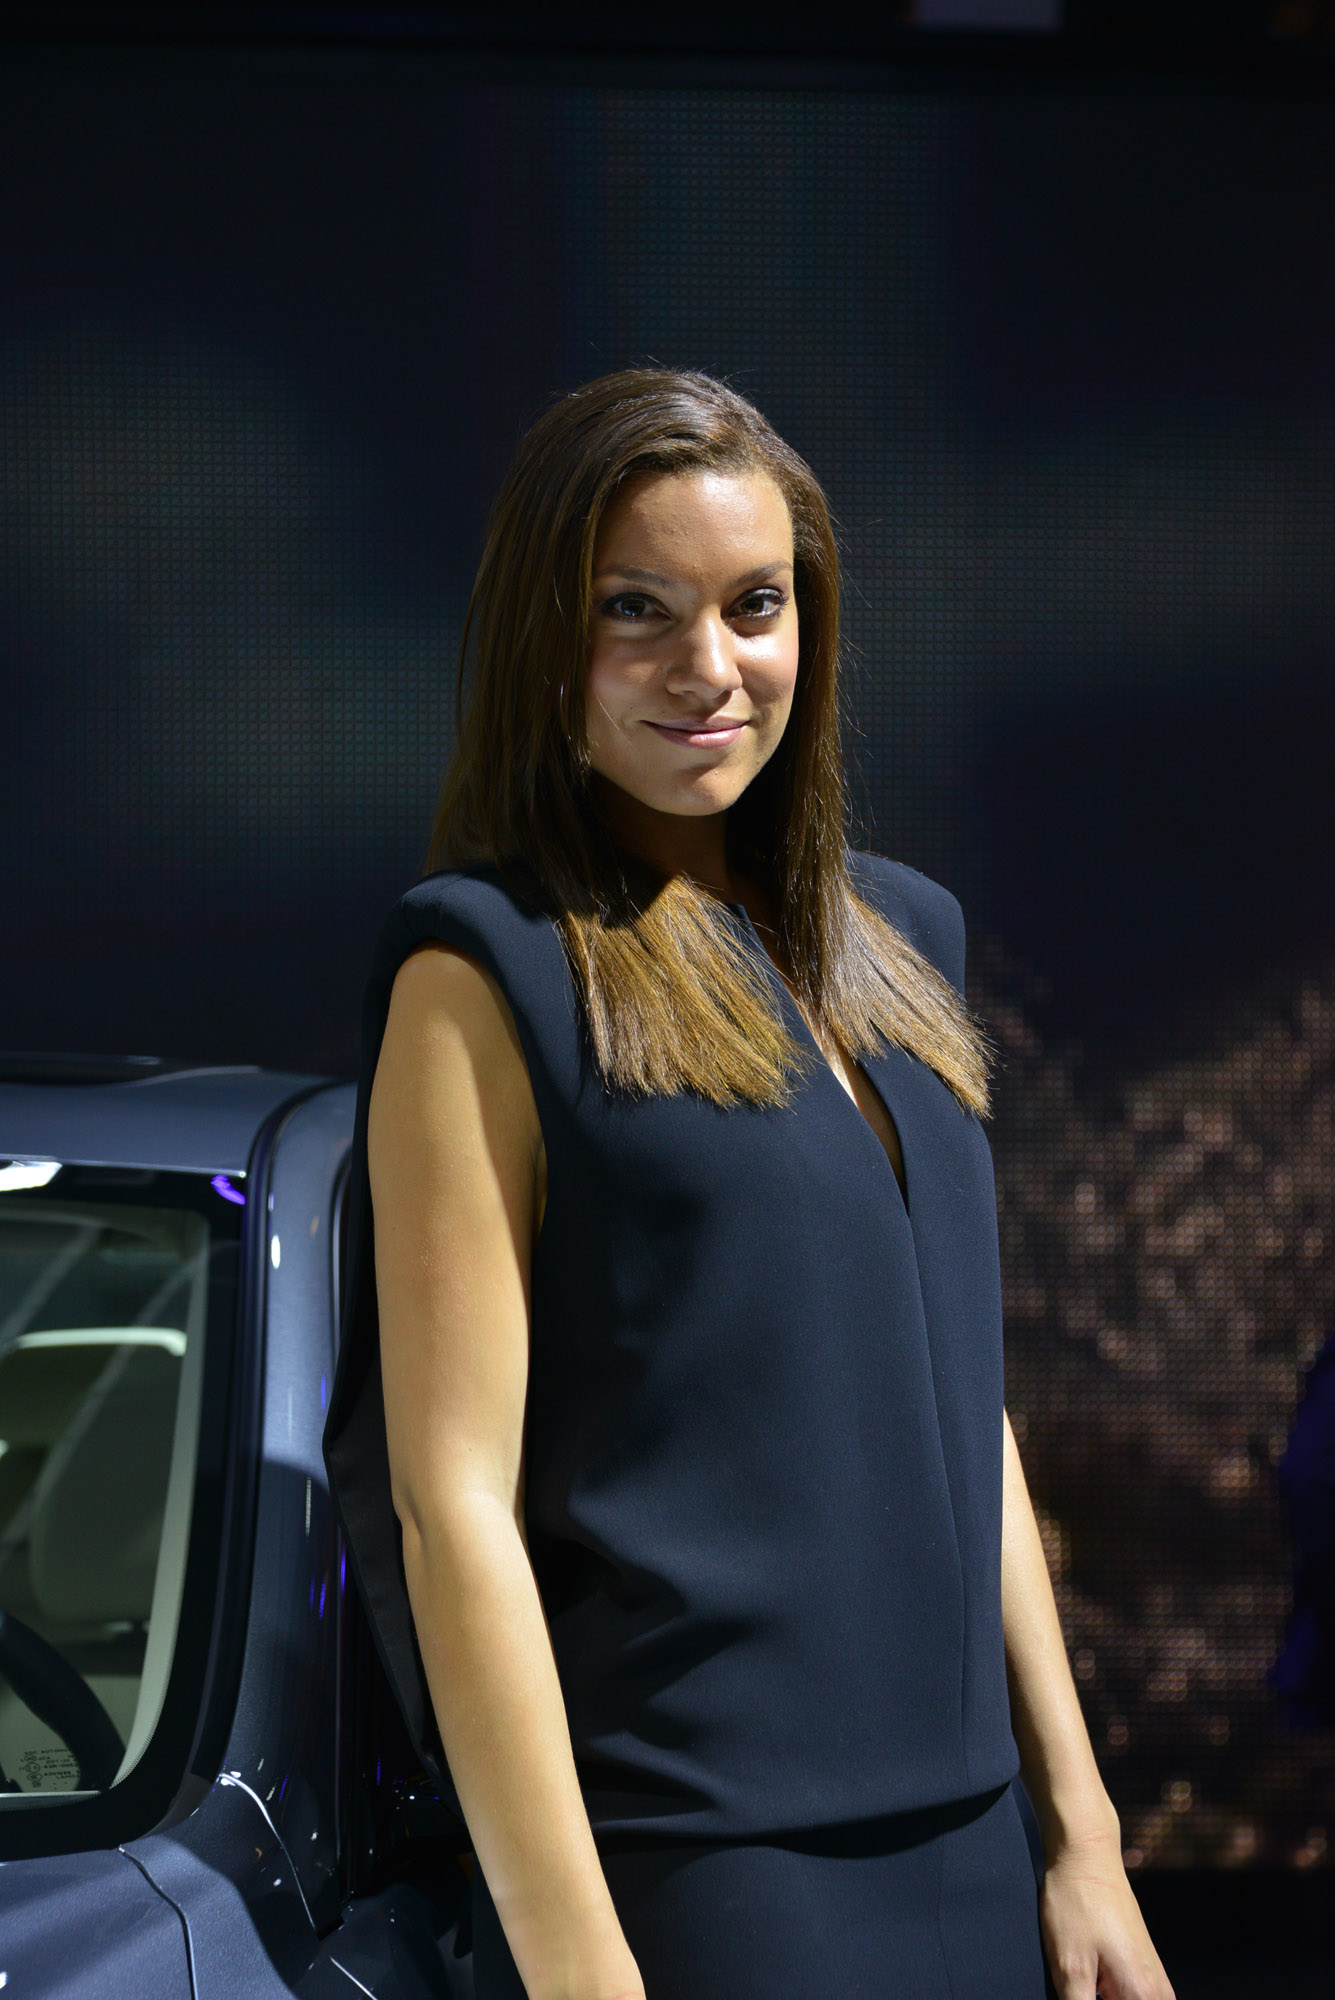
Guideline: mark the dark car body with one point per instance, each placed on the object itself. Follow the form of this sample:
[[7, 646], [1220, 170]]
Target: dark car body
[[205, 1789]]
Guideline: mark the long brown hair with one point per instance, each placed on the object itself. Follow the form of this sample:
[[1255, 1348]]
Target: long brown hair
[[673, 999]]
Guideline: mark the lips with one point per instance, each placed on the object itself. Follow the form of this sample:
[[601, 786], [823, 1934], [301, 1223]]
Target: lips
[[701, 731]]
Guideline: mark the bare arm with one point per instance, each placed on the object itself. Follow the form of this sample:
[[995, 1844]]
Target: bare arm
[[1092, 1927], [455, 1149]]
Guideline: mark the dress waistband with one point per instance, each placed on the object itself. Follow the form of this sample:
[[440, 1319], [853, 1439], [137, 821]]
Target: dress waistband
[[884, 1835]]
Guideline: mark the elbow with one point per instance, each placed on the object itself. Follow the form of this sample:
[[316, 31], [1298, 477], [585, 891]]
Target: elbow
[[408, 1511], [449, 1523]]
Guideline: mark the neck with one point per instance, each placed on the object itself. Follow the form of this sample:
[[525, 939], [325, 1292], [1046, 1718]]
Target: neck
[[672, 843]]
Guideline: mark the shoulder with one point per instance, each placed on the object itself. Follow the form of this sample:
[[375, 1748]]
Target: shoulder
[[479, 899], [498, 923], [448, 1039], [921, 910], [480, 911]]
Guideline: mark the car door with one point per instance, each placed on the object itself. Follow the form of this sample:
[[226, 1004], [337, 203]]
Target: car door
[[205, 1787]]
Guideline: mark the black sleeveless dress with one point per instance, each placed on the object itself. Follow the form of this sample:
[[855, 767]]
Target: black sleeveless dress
[[763, 1460]]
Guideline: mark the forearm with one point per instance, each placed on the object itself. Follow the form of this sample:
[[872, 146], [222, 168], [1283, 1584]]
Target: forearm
[[498, 1703], [1056, 1758]]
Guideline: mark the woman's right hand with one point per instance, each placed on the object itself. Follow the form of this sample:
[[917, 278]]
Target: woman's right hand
[[455, 1154]]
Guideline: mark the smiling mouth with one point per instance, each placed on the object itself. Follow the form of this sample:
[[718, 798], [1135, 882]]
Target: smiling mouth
[[701, 731]]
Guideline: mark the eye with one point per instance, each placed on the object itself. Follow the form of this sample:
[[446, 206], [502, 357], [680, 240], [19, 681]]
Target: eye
[[766, 602], [628, 607]]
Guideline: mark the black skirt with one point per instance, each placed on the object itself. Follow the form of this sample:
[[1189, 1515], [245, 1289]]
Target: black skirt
[[935, 1905]]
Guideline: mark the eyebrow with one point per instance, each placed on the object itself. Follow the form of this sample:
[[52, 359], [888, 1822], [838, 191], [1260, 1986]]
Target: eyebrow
[[665, 582]]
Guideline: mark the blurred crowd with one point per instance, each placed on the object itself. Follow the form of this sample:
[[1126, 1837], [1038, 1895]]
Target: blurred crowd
[[1168, 1257]]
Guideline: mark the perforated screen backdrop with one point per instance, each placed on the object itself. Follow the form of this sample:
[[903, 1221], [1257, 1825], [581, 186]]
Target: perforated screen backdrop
[[271, 323]]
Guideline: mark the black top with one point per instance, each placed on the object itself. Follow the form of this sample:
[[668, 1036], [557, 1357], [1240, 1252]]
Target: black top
[[763, 1447]]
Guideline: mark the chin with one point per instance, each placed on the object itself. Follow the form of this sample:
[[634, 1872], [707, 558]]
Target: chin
[[701, 805], [678, 802]]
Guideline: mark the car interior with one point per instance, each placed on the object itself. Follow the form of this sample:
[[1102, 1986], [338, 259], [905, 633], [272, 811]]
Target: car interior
[[102, 1320]]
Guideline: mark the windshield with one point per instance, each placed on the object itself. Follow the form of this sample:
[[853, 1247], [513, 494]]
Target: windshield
[[106, 1279]]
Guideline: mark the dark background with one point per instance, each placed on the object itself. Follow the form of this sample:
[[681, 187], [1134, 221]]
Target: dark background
[[1059, 343]]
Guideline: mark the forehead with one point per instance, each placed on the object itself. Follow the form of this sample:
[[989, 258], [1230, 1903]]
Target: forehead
[[694, 519]]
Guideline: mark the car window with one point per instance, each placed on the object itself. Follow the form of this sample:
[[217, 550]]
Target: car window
[[104, 1310]]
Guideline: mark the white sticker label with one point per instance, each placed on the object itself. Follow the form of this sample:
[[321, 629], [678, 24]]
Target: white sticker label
[[53, 1770]]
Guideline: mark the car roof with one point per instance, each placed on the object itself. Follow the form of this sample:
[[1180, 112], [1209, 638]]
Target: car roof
[[186, 1120]]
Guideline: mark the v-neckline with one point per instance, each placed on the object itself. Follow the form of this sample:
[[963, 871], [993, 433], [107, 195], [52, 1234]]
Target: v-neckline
[[901, 1186]]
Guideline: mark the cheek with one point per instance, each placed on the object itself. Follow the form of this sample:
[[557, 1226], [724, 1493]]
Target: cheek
[[781, 673], [600, 687], [608, 695], [614, 672]]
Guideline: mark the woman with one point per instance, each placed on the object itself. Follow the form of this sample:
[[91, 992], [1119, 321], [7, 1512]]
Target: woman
[[678, 1483]]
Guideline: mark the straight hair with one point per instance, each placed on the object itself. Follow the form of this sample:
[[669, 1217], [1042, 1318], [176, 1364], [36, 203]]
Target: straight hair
[[673, 999]]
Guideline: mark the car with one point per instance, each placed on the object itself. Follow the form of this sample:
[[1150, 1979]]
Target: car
[[205, 1787]]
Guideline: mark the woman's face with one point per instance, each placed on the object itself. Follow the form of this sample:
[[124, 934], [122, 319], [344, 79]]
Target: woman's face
[[693, 638]]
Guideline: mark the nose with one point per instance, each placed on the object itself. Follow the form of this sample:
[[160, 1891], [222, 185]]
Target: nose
[[703, 657]]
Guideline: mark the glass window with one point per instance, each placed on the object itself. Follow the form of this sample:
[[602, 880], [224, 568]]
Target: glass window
[[104, 1307]]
